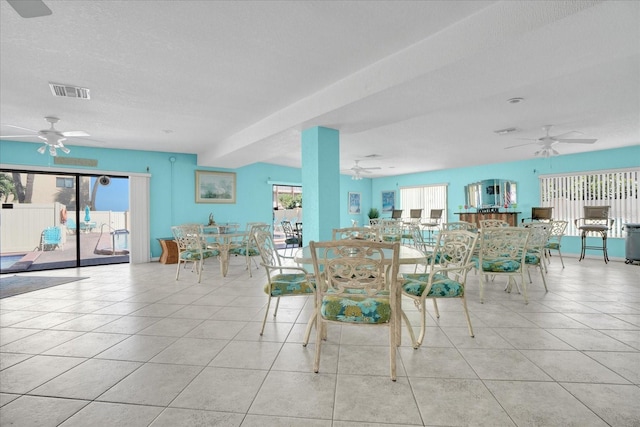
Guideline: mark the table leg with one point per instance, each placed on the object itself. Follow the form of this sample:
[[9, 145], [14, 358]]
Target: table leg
[[583, 238]]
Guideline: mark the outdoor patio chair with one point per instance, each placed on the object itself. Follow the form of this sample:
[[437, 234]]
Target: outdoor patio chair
[[71, 225], [50, 239], [292, 239]]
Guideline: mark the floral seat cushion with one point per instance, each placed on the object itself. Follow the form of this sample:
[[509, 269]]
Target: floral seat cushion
[[532, 258], [443, 286], [497, 265], [242, 250], [552, 245], [391, 238], [289, 284], [356, 307], [195, 255]]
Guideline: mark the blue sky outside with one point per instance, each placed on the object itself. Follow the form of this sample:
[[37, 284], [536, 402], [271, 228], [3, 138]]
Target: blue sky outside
[[113, 197]]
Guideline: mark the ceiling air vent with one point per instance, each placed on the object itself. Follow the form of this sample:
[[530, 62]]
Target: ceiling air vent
[[506, 131], [69, 91]]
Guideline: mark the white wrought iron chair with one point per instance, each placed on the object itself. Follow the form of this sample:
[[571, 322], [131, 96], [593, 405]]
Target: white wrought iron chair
[[502, 253], [490, 223], [358, 233], [282, 280], [192, 247], [446, 277], [540, 232], [246, 246], [357, 285], [558, 229], [460, 225]]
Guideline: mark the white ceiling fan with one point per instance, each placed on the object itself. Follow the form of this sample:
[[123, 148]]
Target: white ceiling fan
[[359, 170], [548, 142], [52, 137]]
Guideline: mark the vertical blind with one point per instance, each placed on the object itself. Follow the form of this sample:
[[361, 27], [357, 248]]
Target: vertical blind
[[424, 197], [569, 194], [139, 203]]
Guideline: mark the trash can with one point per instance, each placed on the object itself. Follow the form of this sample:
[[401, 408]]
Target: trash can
[[632, 243]]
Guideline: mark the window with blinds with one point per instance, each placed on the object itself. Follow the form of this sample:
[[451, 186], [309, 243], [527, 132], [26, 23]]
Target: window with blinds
[[569, 194], [425, 197]]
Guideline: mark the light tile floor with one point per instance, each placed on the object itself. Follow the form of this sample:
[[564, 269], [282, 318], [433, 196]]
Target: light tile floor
[[130, 346]]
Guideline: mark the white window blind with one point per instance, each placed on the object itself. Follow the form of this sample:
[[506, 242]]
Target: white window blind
[[424, 197], [569, 194]]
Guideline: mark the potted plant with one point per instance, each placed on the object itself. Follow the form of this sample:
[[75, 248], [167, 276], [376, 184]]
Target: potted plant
[[373, 213]]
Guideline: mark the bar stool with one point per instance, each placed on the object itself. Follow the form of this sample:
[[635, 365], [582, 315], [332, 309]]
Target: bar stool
[[596, 220]]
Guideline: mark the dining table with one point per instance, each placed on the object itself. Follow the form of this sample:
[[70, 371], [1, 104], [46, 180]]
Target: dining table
[[407, 255], [223, 238]]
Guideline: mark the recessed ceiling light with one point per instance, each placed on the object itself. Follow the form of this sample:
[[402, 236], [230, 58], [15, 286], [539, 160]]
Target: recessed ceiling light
[[515, 100]]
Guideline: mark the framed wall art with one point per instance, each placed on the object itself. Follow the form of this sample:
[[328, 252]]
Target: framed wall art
[[354, 203], [388, 201], [215, 187]]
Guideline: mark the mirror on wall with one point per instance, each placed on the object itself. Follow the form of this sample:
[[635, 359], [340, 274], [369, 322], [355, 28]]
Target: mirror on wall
[[490, 193]]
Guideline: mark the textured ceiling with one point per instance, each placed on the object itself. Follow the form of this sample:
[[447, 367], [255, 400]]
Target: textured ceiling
[[424, 85]]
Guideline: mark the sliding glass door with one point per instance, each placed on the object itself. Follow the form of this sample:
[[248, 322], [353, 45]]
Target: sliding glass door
[[60, 220]]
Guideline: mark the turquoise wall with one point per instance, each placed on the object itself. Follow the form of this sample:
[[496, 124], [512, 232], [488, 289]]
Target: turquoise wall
[[525, 173], [173, 200]]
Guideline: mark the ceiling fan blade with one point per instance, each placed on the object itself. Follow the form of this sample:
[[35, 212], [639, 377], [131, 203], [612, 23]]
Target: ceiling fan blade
[[520, 145], [578, 141], [566, 134], [19, 127], [17, 136], [30, 8], [370, 169], [75, 133]]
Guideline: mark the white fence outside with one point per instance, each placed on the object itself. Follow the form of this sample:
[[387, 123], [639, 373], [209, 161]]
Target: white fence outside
[[21, 226]]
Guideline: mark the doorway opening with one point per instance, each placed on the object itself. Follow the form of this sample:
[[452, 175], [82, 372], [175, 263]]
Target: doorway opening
[[287, 206]]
